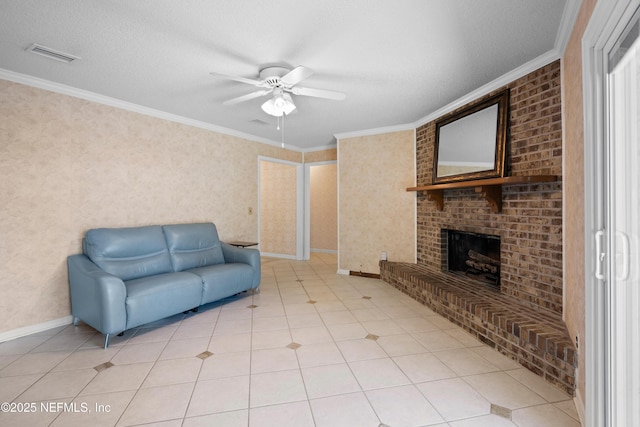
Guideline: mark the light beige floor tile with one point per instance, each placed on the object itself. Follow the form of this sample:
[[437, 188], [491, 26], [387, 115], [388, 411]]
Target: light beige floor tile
[[484, 421], [423, 367], [362, 349], [58, 385], [22, 345], [157, 404], [310, 355], [193, 330], [399, 345], [181, 348], [270, 339], [347, 331], [230, 343], [300, 308], [464, 337], [330, 380], [501, 389], [548, 391], [230, 327], [149, 335], [338, 317], [403, 406], [465, 362], [8, 359], [225, 365], [225, 419], [219, 395], [437, 340], [496, 358], [324, 306], [304, 320], [344, 411], [269, 323], [273, 359], [416, 324], [138, 353], [569, 408], [63, 342], [543, 415], [35, 416], [118, 378], [101, 410], [33, 363], [378, 373], [311, 335], [12, 387], [274, 388], [242, 313], [296, 414], [173, 371], [454, 399], [87, 358], [382, 327]]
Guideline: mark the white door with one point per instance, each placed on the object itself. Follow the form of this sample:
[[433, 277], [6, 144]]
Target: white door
[[612, 202], [622, 213]]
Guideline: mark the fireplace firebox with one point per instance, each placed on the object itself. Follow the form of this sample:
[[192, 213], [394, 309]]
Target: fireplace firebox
[[474, 255]]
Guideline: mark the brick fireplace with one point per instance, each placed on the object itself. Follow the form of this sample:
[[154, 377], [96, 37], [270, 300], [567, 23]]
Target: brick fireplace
[[529, 229]]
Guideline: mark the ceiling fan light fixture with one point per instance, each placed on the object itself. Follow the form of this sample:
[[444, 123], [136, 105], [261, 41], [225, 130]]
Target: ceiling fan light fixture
[[281, 104]]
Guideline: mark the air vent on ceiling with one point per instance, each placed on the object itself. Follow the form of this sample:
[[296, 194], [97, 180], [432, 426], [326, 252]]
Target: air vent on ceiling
[[51, 53], [259, 122]]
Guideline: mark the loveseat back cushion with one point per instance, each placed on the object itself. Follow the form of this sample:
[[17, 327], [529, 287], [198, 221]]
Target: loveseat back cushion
[[128, 253], [193, 245]]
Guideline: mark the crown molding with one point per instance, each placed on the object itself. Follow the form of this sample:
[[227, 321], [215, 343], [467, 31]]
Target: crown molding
[[375, 131], [124, 105]]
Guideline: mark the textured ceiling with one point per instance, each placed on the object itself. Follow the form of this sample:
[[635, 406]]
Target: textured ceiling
[[397, 60]]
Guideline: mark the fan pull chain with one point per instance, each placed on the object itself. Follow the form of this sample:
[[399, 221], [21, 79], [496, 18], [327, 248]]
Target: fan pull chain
[[283, 130]]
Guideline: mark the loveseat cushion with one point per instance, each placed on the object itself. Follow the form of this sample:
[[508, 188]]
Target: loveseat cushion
[[221, 281], [193, 245], [128, 253], [155, 297]]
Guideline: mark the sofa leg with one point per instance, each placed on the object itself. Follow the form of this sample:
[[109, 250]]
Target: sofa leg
[[195, 310], [106, 341], [75, 321]]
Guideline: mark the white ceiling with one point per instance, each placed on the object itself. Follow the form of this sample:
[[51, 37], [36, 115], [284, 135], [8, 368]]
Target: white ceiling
[[397, 60]]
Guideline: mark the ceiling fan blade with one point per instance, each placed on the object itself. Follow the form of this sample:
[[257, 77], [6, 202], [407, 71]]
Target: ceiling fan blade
[[318, 93], [296, 75], [237, 78], [247, 97]]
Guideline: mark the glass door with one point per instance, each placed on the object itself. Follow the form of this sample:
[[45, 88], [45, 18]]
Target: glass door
[[622, 220]]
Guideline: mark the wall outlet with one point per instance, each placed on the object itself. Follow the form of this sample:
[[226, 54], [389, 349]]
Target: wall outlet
[[250, 210], [383, 256]]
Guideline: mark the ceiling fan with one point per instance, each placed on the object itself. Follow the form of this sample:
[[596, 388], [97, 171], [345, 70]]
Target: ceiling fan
[[280, 81]]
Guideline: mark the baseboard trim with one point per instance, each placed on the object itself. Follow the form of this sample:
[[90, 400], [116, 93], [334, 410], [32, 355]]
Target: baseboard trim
[[32, 329], [343, 272], [324, 251]]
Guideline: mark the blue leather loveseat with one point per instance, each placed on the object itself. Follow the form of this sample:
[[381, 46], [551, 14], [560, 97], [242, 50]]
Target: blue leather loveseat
[[127, 277]]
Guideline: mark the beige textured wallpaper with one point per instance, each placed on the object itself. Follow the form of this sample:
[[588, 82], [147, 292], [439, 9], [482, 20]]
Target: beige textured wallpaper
[[573, 177], [323, 207], [277, 208], [69, 165], [376, 213]]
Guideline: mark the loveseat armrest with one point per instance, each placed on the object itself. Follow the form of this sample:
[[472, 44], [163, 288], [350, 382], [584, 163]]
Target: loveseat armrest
[[97, 298], [245, 256]]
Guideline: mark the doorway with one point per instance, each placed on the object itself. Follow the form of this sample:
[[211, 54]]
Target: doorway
[[612, 204]]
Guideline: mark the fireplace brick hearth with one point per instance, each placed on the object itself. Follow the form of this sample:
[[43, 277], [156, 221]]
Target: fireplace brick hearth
[[524, 318]]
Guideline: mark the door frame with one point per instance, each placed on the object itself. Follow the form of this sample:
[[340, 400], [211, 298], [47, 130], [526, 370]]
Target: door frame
[[307, 204], [606, 25], [299, 206]]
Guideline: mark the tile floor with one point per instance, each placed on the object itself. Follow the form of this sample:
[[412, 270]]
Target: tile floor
[[313, 348]]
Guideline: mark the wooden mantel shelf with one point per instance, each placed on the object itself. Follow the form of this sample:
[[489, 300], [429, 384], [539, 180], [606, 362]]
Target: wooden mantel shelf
[[490, 189]]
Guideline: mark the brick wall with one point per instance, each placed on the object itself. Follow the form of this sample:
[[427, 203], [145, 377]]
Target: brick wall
[[530, 224]]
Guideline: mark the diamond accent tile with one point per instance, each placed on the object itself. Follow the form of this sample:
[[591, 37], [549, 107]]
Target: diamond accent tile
[[366, 297], [372, 337], [252, 306], [311, 302], [103, 366], [501, 411], [294, 346], [299, 280], [204, 355]]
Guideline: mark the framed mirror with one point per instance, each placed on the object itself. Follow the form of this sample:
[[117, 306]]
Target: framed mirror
[[471, 143]]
